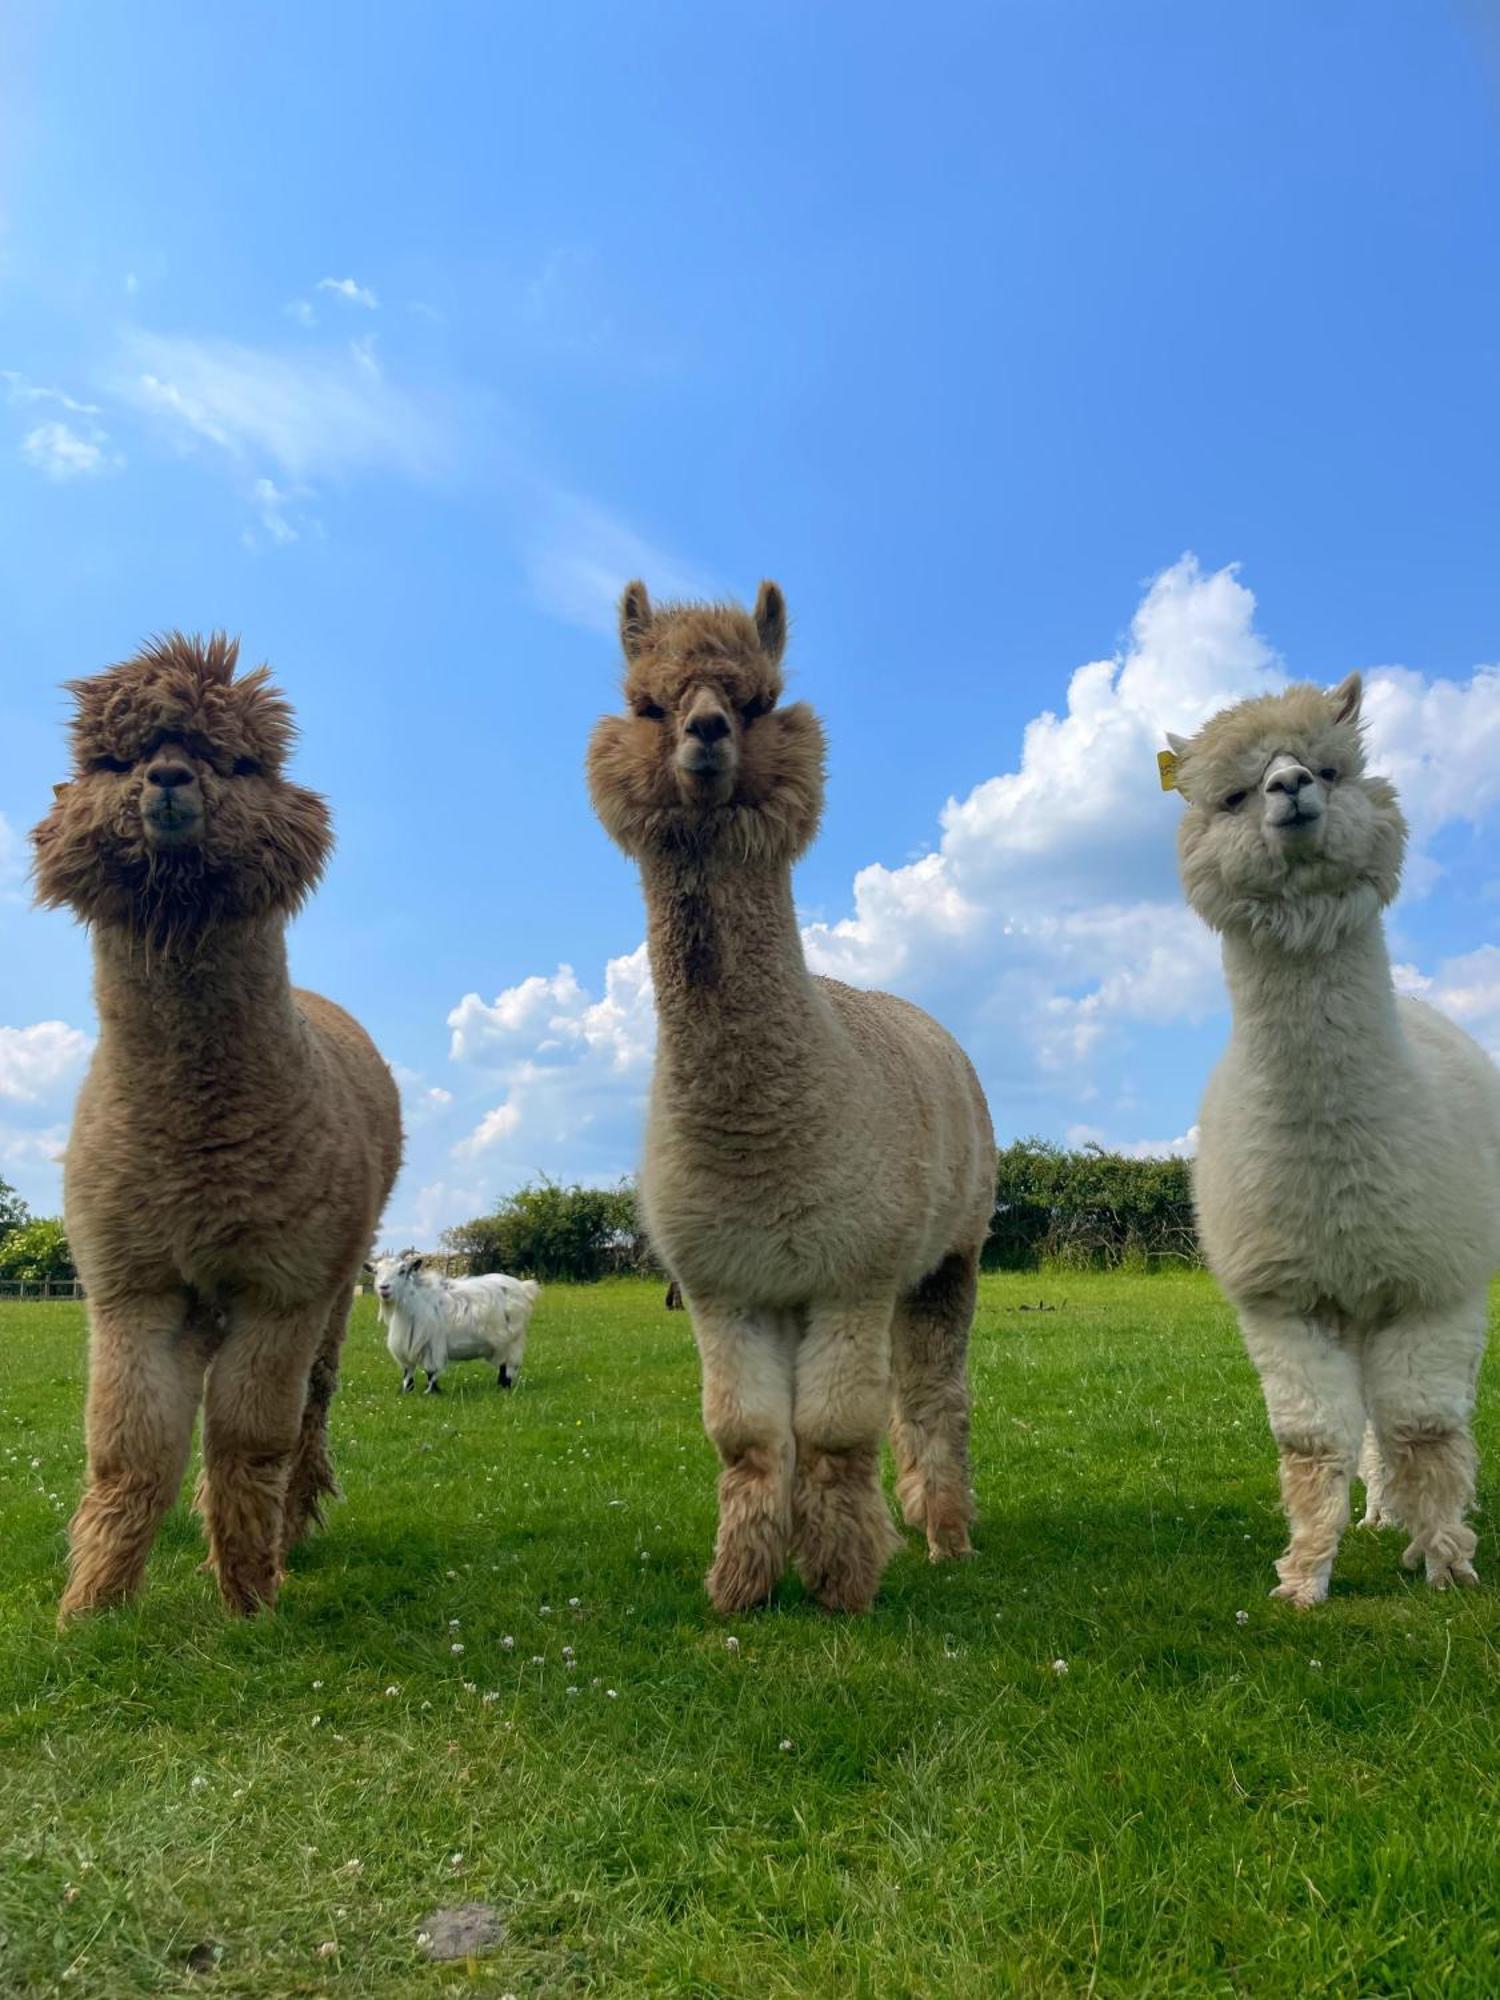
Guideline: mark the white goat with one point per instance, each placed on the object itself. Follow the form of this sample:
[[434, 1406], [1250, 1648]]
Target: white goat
[[432, 1320]]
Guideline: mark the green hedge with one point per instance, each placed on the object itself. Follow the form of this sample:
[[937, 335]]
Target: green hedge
[[1087, 1208]]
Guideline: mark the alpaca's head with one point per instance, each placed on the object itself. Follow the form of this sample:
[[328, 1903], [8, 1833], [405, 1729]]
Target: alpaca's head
[[178, 813], [1284, 833], [704, 757]]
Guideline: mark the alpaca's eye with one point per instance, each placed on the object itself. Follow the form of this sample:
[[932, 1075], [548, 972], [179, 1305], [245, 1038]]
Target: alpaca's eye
[[1234, 801], [111, 764], [762, 705], [1328, 774], [649, 712], [246, 767]]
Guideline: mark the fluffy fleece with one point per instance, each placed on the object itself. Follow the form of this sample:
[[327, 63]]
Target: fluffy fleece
[[819, 1162], [433, 1320], [234, 1140], [1348, 1174]]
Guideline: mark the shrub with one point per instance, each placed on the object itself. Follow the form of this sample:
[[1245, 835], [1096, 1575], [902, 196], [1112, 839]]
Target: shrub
[[556, 1233], [37, 1250], [1089, 1208]]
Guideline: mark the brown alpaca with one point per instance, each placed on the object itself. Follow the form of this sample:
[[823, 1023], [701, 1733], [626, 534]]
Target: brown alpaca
[[235, 1139], [819, 1165]]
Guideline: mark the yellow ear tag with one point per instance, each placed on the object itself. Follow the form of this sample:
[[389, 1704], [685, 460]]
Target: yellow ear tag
[[1166, 764]]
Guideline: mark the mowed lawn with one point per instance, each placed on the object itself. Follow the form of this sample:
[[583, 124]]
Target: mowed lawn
[[1074, 1765]]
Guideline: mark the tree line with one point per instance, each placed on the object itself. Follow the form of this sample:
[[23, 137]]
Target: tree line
[[1084, 1207]]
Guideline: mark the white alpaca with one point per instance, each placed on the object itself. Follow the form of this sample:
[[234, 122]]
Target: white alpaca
[[431, 1320], [1348, 1175]]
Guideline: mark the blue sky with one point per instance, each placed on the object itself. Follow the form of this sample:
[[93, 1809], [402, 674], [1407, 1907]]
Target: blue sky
[[1074, 368]]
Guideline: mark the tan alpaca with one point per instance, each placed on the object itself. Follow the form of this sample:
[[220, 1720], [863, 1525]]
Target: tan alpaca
[[819, 1166], [235, 1139]]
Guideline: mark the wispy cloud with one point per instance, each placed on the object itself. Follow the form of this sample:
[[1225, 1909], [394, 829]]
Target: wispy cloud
[[59, 452], [309, 414], [303, 311], [56, 448], [579, 556], [18, 389], [350, 291]]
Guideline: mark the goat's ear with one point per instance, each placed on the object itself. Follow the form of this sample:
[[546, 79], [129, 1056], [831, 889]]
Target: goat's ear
[[417, 1263], [635, 618], [770, 621], [1344, 700]]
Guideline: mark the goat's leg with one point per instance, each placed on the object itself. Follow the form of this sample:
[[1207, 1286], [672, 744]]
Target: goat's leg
[[747, 1411], [145, 1377], [1419, 1378], [841, 1527], [253, 1413], [1310, 1378]]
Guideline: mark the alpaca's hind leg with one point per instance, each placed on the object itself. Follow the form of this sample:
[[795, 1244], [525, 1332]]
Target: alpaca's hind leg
[[312, 1477], [1420, 1382], [747, 1361], [1311, 1381], [1379, 1508], [252, 1424], [930, 1425], [145, 1376], [842, 1531]]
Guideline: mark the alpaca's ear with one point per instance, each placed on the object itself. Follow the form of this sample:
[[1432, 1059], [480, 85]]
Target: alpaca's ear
[[1344, 700], [635, 618], [770, 621], [1176, 744]]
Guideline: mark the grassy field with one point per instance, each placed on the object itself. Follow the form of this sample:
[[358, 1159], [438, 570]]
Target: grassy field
[[1097, 1760]]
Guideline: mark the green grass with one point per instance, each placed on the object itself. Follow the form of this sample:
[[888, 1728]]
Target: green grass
[[914, 1804]]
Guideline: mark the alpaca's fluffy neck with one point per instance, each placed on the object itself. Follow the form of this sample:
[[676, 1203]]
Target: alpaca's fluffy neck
[[730, 978], [1319, 1028], [216, 1007]]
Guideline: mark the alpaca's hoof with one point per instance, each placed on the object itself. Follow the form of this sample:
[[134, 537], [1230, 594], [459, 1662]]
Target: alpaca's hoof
[[949, 1545], [737, 1584], [1303, 1591], [846, 1596], [1379, 1517], [1443, 1576]]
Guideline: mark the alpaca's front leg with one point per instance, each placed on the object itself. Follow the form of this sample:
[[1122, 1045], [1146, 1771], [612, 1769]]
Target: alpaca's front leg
[[841, 1526], [1420, 1377], [747, 1361], [252, 1421], [145, 1376], [1311, 1382]]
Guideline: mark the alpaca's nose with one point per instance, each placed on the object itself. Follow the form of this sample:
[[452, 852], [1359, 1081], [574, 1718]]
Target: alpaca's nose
[[169, 775], [709, 726], [1290, 779]]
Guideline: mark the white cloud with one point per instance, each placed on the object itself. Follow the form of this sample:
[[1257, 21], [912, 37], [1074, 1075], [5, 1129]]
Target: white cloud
[[34, 1061], [1183, 1147], [56, 449], [353, 294], [308, 413], [270, 505], [1467, 988], [39, 1071]]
